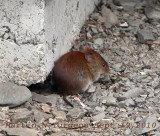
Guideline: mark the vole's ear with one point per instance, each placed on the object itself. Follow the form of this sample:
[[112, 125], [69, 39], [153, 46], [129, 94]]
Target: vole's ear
[[89, 56], [83, 48]]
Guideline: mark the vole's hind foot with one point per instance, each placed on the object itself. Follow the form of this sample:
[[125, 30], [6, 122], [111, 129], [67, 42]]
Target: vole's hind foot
[[65, 99]]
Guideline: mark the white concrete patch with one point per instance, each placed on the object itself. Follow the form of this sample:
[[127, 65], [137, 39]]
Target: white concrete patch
[[34, 33]]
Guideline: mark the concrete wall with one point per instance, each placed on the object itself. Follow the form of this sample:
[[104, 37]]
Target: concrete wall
[[34, 33]]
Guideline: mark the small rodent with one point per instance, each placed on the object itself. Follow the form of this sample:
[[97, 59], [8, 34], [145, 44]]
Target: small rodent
[[75, 71]]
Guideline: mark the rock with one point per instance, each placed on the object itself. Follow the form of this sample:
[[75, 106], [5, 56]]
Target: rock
[[75, 113], [40, 117], [146, 67], [95, 16], [147, 80], [52, 99], [101, 109], [134, 92], [140, 100], [61, 133], [109, 17], [55, 130], [135, 23], [125, 24], [127, 132], [3, 113], [138, 119], [99, 41], [130, 102], [92, 89], [94, 30], [39, 98], [59, 115], [52, 121], [91, 103], [119, 52], [99, 116], [117, 67], [127, 4], [21, 132], [105, 57], [21, 115], [144, 35], [109, 100], [13, 95], [73, 133], [152, 11], [89, 35], [46, 108], [147, 124], [45, 99], [3, 116]]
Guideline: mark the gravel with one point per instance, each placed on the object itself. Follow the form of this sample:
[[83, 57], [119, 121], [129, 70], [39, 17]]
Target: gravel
[[116, 105]]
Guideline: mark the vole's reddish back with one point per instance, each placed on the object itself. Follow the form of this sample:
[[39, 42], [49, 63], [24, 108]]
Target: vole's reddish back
[[75, 71]]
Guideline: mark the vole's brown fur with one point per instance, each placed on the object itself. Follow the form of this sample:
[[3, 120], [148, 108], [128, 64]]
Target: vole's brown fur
[[75, 71]]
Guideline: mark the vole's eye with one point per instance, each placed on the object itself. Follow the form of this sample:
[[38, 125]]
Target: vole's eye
[[103, 65]]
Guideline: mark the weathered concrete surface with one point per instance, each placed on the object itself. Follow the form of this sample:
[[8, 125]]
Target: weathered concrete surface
[[34, 33]]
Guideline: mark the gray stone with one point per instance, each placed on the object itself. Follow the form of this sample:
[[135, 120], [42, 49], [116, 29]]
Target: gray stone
[[119, 52], [109, 100], [147, 80], [134, 92], [135, 23], [151, 121], [99, 41], [130, 102], [89, 34], [40, 117], [91, 103], [99, 116], [56, 130], [59, 115], [91, 89], [140, 100], [95, 16], [117, 67], [21, 115], [101, 109], [46, 108], [45, 99], [13, 95], [109, 17], [94, 30], [21, 132], [153, 11], [39, 98], [105, 57], [127, 132], [75, 113], [144, 35], [74, 133], [127, 4], [3, 116], [138, 119], [52, 121]]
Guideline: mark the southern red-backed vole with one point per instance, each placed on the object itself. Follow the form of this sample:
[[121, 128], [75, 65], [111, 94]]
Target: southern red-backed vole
[[75, 71]]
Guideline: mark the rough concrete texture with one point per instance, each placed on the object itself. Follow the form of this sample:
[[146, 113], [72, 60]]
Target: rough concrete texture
[[34, 33]]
